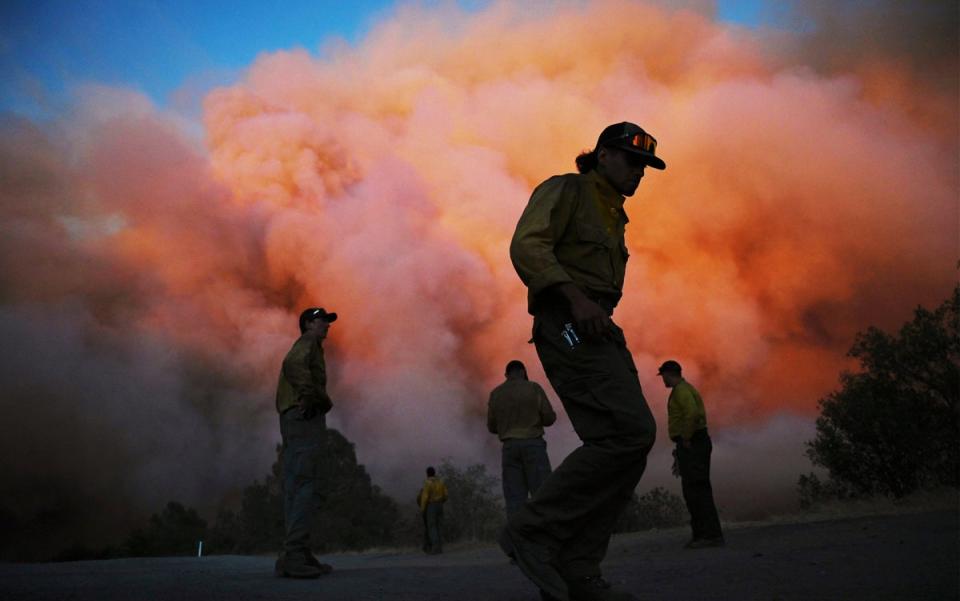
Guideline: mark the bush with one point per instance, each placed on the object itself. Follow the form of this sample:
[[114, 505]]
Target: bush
[[658, 508], [474, 510], [893, 427], [813, 491]]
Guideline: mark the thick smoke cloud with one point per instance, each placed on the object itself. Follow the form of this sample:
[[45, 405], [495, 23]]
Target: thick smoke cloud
[[150, 283]]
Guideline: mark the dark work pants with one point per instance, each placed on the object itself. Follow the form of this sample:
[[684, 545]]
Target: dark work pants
[[525, 465], [301, 454], [575, 510], [433, 527], [694, 464]]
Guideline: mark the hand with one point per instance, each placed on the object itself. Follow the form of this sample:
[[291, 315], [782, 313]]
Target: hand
[[591, 319], [308, 411]]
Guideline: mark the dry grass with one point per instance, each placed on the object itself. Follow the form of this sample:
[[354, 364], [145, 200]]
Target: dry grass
[[918, 502]]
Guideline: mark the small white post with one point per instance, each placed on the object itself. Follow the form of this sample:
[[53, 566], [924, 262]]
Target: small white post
[[200, 549]]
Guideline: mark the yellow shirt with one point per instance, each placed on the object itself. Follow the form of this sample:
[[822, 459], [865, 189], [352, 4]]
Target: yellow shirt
[[572, 231], [519, 409], [433, 491], [685, 411]]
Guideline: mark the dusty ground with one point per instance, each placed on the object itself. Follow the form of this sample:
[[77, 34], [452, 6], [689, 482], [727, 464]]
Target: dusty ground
[[909, 557]]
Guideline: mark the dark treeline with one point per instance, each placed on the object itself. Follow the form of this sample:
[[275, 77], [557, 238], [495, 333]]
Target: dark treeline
[[354, 514]]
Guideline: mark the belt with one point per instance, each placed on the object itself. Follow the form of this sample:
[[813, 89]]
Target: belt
[[553, 301], [606, 303], [697, 436], [506, 440]]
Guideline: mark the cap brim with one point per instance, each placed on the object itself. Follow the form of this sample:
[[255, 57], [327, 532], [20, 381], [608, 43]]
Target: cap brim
[[331, 317], [652, 160]]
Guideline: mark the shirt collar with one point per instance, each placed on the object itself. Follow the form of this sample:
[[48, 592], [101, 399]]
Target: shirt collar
[[608, 195]]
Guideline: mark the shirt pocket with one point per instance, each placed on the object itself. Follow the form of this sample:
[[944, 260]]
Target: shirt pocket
[[597, 251], [587, 232]]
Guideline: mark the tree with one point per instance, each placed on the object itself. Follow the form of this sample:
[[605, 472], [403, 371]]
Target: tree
[[474, 510], [174, 531], [354, 513], [258, 526], [893, 426], [224, 536]]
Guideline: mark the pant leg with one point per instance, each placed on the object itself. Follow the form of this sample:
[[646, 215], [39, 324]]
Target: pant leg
[[434, 526], [536, 463], [583, 557], [515, 489], [706, 508], [426, 532], [694, 465], [301, 453], [688, 488], [577, 505]]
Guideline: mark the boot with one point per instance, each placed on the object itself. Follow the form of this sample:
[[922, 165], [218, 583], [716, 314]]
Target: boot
[[295, 566], [594, 588]]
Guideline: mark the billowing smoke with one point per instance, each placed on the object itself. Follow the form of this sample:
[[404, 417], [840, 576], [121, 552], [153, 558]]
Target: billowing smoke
[[150, 282]]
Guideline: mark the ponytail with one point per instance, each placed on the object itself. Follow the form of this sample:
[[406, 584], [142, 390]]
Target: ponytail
[[587, 161]]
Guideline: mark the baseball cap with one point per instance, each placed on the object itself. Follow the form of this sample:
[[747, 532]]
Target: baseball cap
[[669, 366], [631, 137], [316, 313]]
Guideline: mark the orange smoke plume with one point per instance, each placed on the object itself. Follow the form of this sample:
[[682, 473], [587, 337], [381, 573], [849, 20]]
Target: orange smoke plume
[[778, 230]]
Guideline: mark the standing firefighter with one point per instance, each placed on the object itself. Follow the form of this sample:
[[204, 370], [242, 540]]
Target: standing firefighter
[[517, 412], [302, 402], [431, 499], [569, 250], [687, 424]]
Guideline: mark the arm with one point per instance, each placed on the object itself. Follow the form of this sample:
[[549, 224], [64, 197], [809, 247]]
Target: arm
[[541, 226], [319, 371], [679, 410], [324, 403], [296, 370], [491, 416], [422, 498], [547, 415]]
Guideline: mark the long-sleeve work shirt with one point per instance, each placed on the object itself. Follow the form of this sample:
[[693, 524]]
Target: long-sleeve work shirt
[[433, 491], [303, 377], [519, 409], [572, 230], [685, 411]]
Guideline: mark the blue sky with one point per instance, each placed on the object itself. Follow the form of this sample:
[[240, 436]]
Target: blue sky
[[159, 47]]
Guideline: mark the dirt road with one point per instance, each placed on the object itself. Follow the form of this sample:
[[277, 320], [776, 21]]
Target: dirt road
[[904, 557]]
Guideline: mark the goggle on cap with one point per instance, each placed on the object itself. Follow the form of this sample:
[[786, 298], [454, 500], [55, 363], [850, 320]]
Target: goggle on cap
[[631, 137]]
